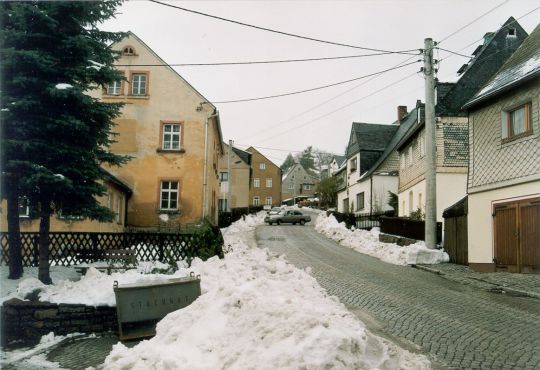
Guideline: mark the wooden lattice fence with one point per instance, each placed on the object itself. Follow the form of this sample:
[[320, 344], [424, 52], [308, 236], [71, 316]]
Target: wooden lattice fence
[[71, 248]]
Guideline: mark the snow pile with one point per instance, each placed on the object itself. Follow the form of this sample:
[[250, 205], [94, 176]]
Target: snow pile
[[259, 312], [93, 289], [367, 242], [63, 86]]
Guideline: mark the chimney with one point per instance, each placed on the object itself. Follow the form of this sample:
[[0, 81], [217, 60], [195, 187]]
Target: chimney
[[401, 112]]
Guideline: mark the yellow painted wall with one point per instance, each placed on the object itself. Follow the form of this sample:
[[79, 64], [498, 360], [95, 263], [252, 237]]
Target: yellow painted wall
[[171, 99], [57, 224]]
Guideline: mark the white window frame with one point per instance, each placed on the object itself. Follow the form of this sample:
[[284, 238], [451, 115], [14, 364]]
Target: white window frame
[[307, 186], [24, 203], [291, 186], [355, 162], [118, 209], [256, 201], [268, 182], [114, 88], [223, 178], [422, 144], [166, 187], [256, 182], [138, 86], [262, 166], [410, 155], [363, 197], [268, 201], [168, 143]]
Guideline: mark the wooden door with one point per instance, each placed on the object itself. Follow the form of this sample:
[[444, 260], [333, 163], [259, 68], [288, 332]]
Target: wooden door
[[506, 235], [517, 235]]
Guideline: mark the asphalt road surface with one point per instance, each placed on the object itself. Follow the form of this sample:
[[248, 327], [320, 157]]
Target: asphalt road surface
[[456, 325]]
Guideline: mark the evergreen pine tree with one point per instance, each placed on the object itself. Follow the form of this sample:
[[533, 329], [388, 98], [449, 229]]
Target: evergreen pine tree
[[307, 159], [288, 163], [55, 136]]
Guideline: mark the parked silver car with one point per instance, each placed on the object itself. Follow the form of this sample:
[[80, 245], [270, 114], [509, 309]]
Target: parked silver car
[[289, 216]]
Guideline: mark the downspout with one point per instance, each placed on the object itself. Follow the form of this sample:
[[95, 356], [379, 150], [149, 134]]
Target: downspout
[[371, 195], [205, 173]]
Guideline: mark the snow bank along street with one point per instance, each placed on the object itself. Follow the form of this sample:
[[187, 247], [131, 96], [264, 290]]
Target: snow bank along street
[[367, 242], [255, 312]]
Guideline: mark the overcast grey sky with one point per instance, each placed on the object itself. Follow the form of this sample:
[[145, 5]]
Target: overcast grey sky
[[320, 118]]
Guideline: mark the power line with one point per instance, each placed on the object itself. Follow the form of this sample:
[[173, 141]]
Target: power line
[[473, 21], [273, 127], [256, 62], [340, 108], [453, 52], [279, 32], [312, 89]]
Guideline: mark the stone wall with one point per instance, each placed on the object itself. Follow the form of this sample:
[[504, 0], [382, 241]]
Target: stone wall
[[25, 322]]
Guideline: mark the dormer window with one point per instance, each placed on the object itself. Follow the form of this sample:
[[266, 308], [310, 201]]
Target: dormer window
[[128, 50]]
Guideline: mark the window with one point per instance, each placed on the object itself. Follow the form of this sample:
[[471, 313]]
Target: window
[[114, 88], [402, 160], [268, 201], [24, 207], [360, 201], [422, 144], [139, 83], [256, 182], [169, 196], [291, 186], [410, 202], [269, 182], [262, 166], [118, 210], [222, 205], [512, 32], [516, 123], [409, 155], [171, 136], [420, 205], [353, 165], [128, 50], [307, 186], [223, 176], [255, 201]]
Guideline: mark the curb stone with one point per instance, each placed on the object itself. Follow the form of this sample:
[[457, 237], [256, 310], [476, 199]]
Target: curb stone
[[496, 288]]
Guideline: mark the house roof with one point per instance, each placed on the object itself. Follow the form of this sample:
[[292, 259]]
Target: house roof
[[370, 137], [403, 127], [415, 128], [488, 58], [244, 156], [340, 159], [111, 178], [522, 66], [252, 149]]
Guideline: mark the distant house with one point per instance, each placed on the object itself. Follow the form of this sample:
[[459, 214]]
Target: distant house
[[382, 177], [298, 184], [174, 137], [504, 172], [116, 198], [265, 186], [234, 183], [367, 142], [451, 129]]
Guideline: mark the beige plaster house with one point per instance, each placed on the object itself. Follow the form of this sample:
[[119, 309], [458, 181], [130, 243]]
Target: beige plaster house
[[174, 138], [234, 181], [504, 170], [265, 186]]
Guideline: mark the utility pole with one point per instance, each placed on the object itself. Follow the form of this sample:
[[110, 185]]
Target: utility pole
[[229, 176], [431, 149]]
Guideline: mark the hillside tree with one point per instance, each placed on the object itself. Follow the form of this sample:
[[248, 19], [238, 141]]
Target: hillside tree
[[54, 135], [288, 163]]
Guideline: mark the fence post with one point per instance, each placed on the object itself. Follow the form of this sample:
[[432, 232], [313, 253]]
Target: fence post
[[35, 244], [161, 244], [95, 252]]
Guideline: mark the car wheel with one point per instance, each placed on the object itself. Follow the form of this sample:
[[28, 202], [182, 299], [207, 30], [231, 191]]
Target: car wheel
[[302, 222], [278, 222], [294, 223], [269, 224]]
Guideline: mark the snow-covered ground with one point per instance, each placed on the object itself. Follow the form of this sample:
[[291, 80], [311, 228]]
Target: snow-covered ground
[[367, 242], [256, 311]]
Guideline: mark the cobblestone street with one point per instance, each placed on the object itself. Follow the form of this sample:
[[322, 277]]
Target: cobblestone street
[[460, 326]]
